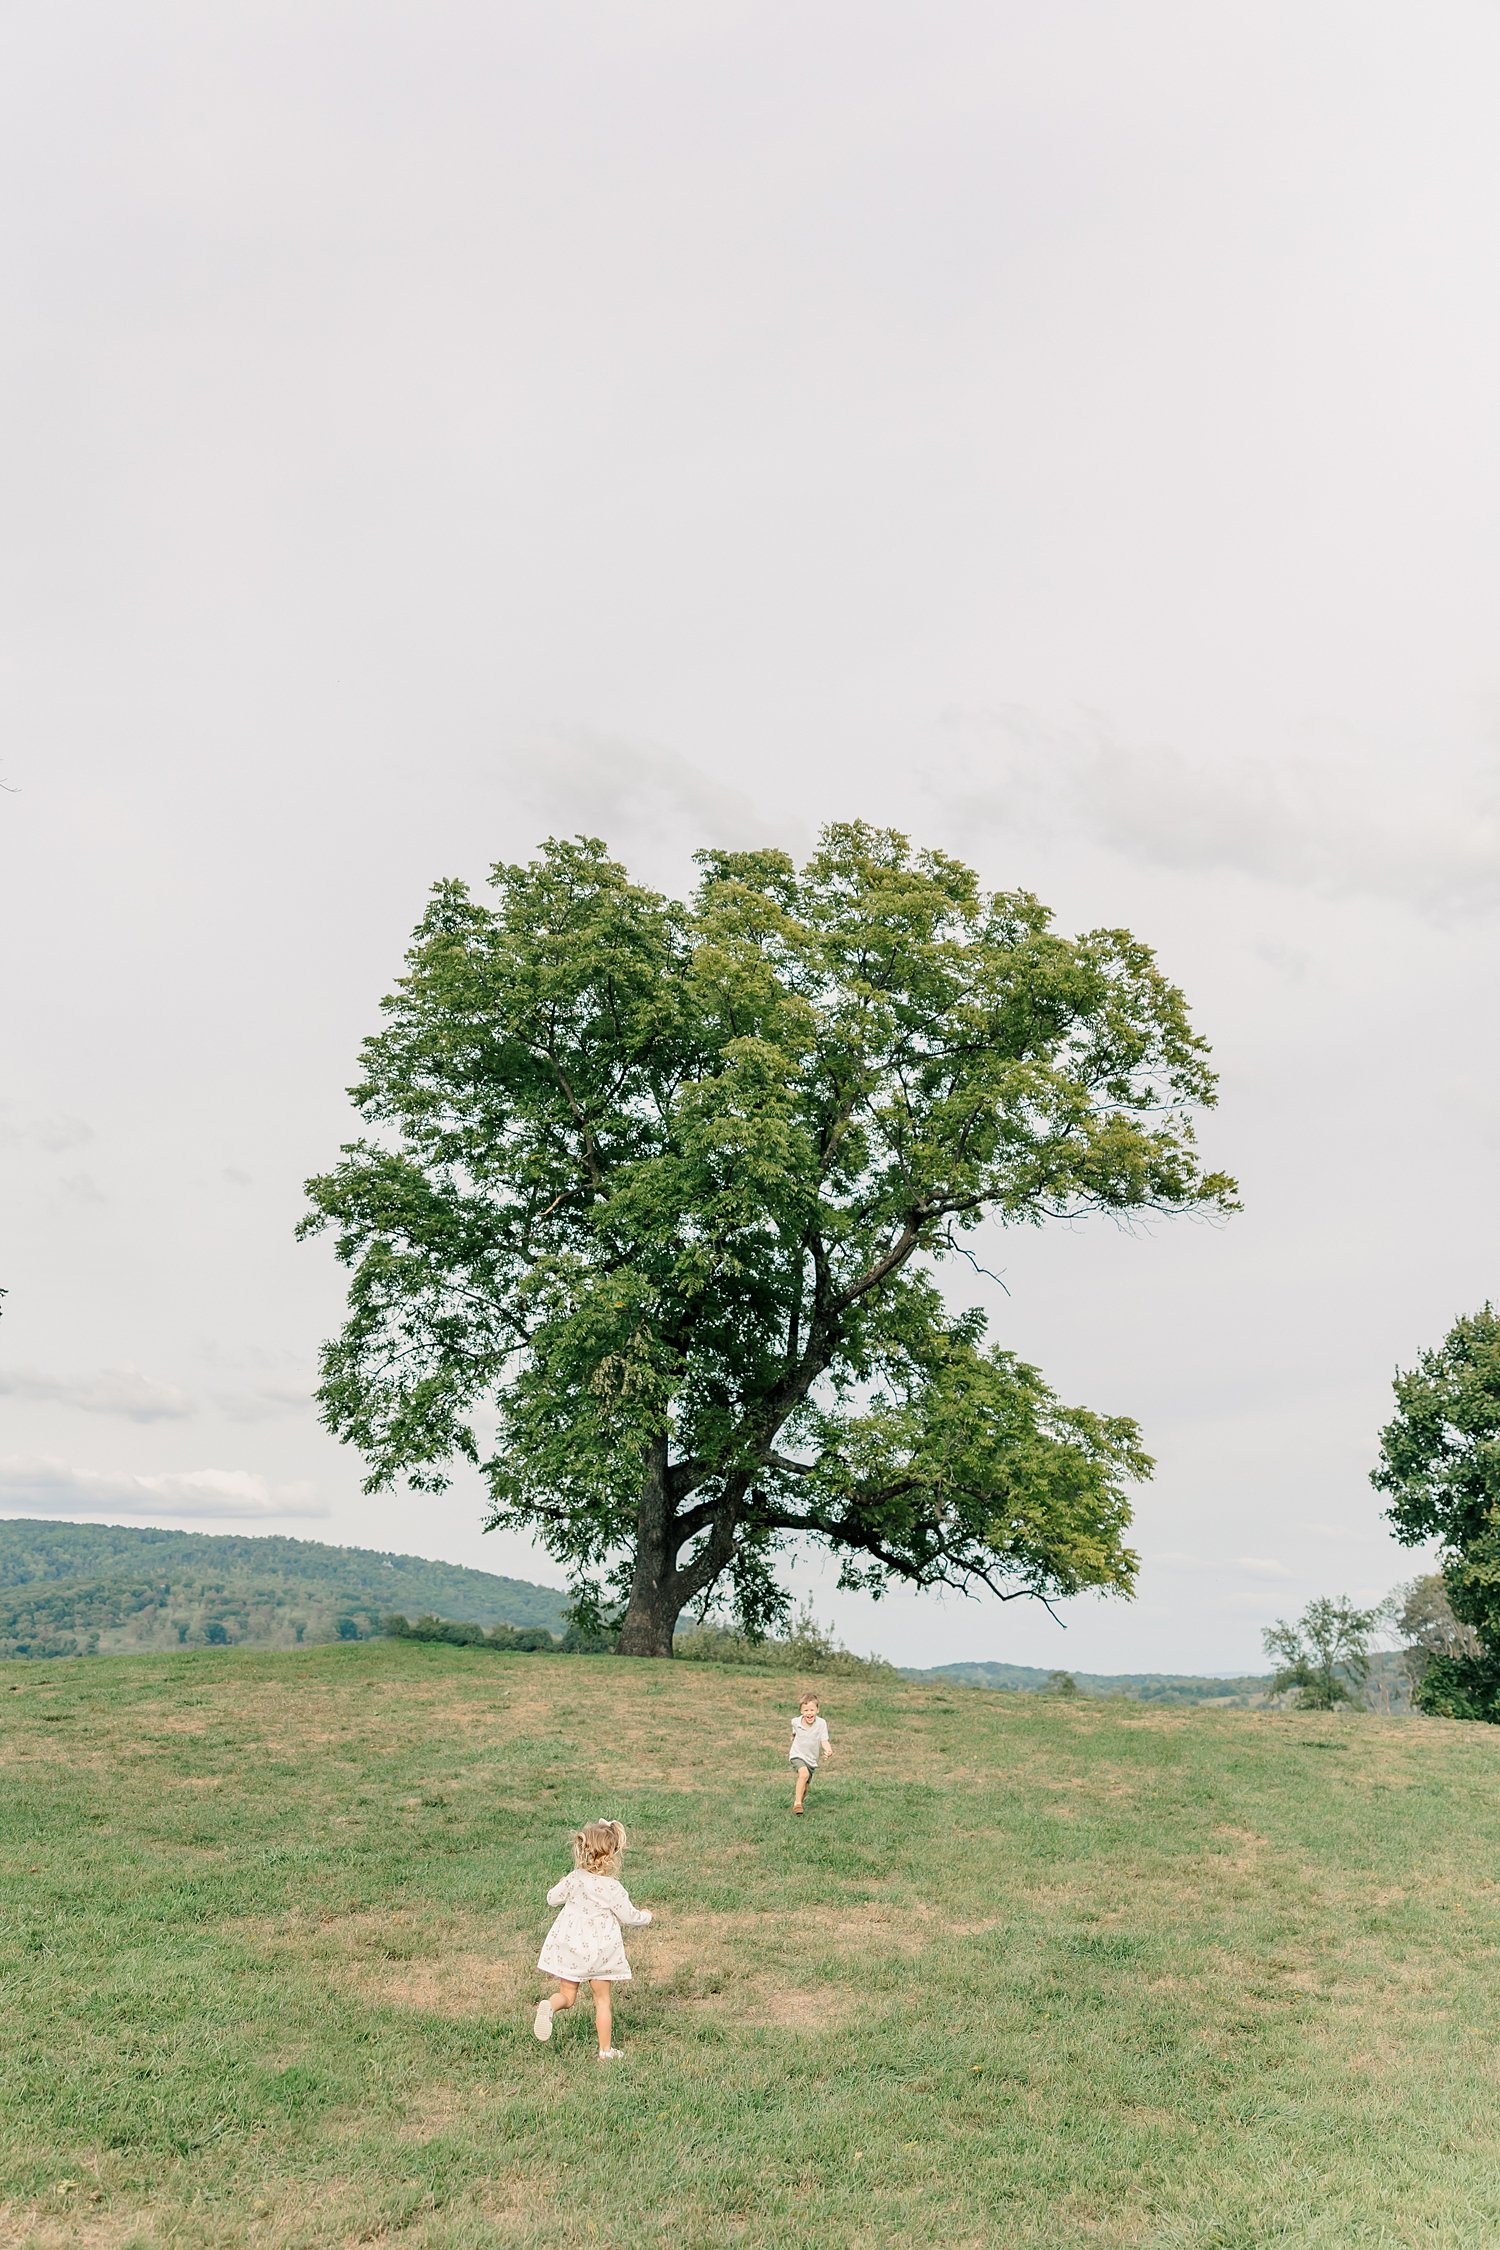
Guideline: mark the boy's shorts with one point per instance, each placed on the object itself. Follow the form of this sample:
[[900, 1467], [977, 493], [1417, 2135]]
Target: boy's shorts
[[806, 1768]]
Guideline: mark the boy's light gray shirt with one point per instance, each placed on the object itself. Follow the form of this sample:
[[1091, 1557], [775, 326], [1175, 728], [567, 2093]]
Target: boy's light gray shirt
[[808, 1742]]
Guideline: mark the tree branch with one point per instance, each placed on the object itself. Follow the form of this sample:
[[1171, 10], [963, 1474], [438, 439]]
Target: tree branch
[[900, 1250], [580, 1119], [941, 1568], [718, 1551]]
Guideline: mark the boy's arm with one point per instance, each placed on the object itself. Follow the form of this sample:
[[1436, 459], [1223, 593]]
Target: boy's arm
[[827, 1741]]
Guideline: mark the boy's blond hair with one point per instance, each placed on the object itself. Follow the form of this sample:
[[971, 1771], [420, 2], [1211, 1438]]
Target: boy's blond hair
[[598, 1845]]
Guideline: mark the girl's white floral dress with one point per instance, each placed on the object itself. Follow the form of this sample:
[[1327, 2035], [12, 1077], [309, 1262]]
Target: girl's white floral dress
[[585, 1942]]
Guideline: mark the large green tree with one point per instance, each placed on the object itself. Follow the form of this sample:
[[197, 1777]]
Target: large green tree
[[1440, 1466], [648, 1221]]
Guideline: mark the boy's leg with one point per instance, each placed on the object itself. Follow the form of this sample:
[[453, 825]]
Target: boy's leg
[[604, 2022], [803, 1778]]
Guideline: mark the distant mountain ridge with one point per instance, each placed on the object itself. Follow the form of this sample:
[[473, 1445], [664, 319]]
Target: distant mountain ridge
[[1145, 1687], [71, 1589], [1388, 1687]]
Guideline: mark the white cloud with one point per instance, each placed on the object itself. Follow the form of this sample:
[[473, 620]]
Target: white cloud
[[41, 1486], [1424, 832], [1248, 1566], [264, 1400], [1248, 1605], [638, 798], [83, 1188], [255, 1382], [112, 1390], [125, 1392], [52, 1135]]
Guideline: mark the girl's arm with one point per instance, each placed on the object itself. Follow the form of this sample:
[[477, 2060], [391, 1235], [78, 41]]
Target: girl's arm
[[558, 1894], [633, 1917]]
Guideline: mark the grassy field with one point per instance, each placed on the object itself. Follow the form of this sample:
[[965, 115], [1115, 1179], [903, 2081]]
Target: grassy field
[[1030, 1973]]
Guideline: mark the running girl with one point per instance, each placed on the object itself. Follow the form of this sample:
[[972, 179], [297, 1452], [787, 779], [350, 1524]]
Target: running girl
[[584, 1945]]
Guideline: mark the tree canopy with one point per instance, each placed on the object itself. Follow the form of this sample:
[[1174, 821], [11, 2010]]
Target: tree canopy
[[648, 1223], [1440, 1466]]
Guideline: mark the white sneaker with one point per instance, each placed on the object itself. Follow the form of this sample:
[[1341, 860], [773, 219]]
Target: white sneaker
[[611, 2054], [541, 2022]]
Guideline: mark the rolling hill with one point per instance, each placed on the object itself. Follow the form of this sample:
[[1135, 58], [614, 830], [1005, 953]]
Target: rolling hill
[[69, 1589]]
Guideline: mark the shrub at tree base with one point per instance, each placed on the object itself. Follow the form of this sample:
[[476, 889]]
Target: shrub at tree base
[[463, 1633], [808, 1649], [1459, 1687]]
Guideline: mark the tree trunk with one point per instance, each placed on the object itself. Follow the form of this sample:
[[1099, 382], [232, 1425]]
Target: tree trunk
[[651, 1619], [655, 1603]]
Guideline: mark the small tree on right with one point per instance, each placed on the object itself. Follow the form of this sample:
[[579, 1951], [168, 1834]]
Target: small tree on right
[[1324, 1656], [1440, 1467]]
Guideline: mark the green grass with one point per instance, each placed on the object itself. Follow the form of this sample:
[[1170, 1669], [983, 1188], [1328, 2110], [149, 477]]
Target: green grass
[[1030, 1973]]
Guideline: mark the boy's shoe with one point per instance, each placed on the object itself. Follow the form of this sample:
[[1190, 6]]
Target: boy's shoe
[[611, 2054], [541, 2022]]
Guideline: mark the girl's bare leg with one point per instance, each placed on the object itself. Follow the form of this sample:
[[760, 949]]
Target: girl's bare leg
[[541, 2022], [603, 2014]]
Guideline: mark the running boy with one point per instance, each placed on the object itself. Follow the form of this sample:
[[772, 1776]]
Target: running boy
[[809, 1741]]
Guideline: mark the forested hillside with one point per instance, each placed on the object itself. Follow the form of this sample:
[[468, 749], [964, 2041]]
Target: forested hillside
[[71, 1589]]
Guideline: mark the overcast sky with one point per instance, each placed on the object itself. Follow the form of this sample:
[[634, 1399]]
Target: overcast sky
[[1068, 433]]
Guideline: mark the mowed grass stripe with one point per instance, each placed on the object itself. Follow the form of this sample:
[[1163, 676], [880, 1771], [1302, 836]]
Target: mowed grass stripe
[[1029, 1972]]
